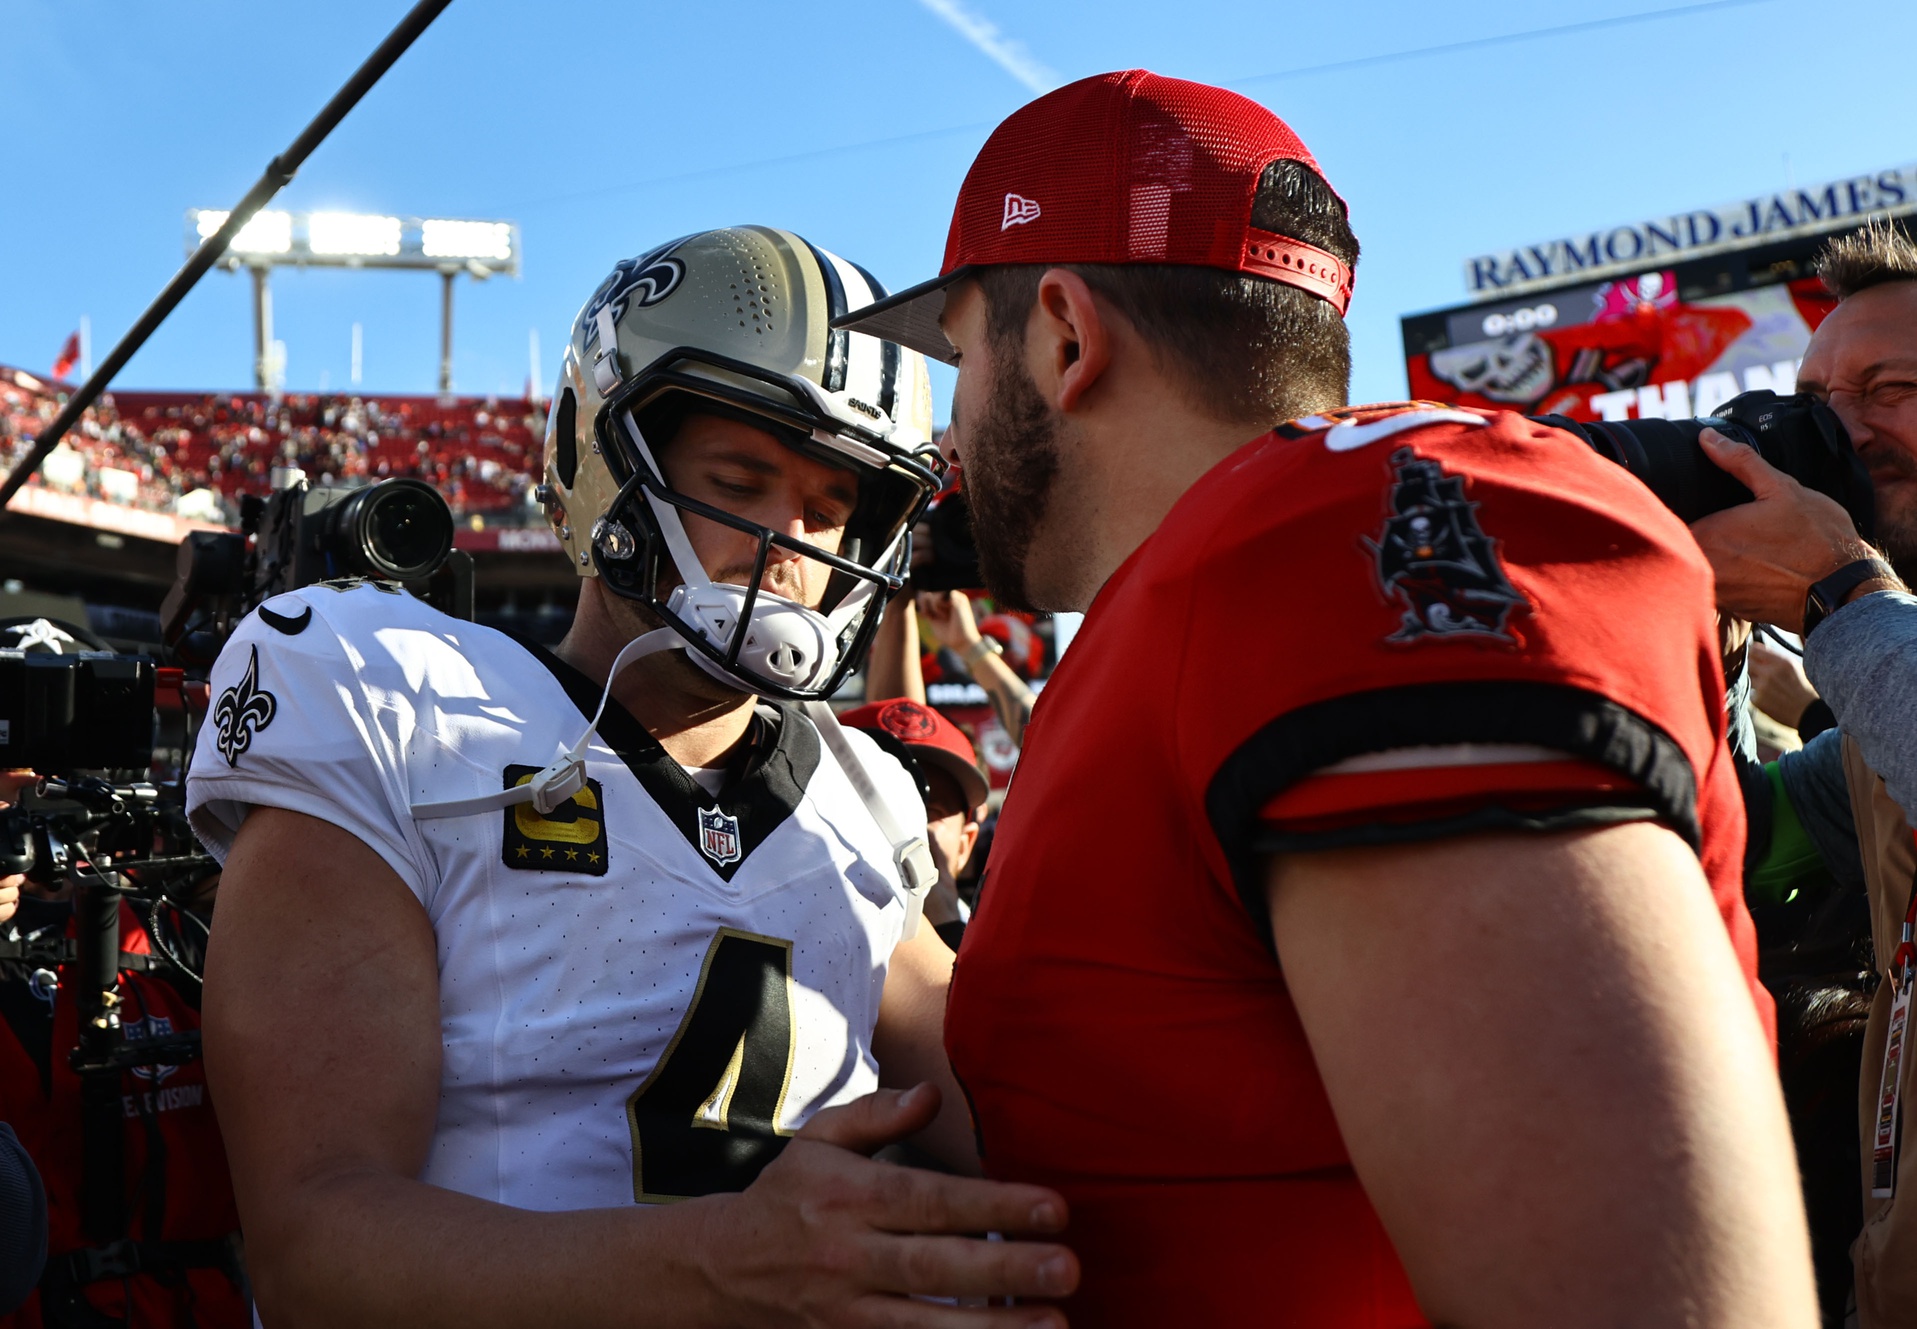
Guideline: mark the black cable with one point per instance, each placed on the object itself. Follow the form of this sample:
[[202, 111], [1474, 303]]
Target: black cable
[[1780, 639], [279, 172], [164, 933]]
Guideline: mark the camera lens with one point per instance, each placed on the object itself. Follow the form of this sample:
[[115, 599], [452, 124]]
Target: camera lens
[[404, 532], [399, 529], [1797, 434]]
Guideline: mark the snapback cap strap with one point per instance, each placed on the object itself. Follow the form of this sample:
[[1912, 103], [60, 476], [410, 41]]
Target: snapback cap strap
[[1268, 254]]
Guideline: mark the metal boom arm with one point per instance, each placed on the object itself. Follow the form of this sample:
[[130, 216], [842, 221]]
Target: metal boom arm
[[279, 172]]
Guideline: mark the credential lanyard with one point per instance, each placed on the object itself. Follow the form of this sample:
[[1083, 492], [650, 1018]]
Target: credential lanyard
[[1883, 1158]]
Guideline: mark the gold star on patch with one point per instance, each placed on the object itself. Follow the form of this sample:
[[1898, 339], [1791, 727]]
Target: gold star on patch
[[545, 853], [572, 853], [523, 852], [592, 858]]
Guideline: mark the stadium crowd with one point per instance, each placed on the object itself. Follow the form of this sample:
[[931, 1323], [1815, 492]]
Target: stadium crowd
[[1422, 936], [193, 454]]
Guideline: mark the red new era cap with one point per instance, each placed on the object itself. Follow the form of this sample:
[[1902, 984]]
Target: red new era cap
[[1122, 168], [926, 736]]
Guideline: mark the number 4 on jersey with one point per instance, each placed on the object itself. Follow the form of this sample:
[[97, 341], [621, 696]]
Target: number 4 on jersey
[[707, 1118]]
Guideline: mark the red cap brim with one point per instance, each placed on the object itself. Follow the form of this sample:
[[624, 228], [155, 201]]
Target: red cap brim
[[910, 318], [971, 781]]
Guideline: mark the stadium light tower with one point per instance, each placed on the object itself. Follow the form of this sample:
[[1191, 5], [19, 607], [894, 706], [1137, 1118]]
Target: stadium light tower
[[358, 240]]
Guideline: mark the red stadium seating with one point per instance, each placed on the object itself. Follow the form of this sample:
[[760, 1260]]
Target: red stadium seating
[[481, 453]]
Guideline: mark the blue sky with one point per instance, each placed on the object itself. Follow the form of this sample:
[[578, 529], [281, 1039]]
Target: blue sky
[[604, 127]]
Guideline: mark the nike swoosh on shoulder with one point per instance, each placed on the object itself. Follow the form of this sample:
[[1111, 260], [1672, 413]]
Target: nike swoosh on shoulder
[[1349, 435], [291, 624]]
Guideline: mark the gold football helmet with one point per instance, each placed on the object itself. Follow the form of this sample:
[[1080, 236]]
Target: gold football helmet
[[736, 322]]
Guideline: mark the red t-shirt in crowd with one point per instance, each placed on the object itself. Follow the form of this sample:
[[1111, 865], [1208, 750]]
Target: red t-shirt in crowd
[[1390, 624], [175, 1182]]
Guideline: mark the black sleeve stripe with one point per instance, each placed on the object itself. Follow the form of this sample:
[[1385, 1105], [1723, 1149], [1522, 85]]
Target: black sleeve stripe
[[1302, 742], [1490, 817]]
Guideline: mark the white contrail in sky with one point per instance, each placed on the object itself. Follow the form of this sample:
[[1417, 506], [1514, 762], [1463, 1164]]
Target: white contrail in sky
[[1007, 53]]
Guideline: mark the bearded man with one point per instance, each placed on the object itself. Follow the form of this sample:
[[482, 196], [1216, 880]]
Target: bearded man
[[1416, 984]]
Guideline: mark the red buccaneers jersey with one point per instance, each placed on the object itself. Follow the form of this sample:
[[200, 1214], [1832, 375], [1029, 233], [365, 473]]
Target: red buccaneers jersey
[[1397, 623]]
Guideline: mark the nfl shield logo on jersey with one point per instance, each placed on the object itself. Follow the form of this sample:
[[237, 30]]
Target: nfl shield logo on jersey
[[719, 836]]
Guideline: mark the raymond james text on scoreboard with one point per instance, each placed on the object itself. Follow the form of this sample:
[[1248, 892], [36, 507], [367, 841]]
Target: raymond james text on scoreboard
[[1685, 235]]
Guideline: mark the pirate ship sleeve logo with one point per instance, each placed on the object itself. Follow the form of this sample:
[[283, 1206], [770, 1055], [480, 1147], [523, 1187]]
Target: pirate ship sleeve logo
[[1435, 561], [243, 711]]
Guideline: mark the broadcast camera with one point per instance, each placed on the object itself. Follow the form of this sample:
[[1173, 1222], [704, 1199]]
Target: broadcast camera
[[99, 826], [107, 821], [396, 530], [1799, 435]]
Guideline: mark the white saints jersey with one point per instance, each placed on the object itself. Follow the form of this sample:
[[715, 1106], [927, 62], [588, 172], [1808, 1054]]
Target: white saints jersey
[[642, 992]]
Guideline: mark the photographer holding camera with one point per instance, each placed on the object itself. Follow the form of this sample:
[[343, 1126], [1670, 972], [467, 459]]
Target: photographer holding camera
[[1793, 557]]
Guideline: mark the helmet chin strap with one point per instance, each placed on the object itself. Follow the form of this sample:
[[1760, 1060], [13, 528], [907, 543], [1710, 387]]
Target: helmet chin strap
[[714, 607]]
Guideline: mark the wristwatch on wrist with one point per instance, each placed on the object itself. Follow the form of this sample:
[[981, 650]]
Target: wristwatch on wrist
[[979, 649], [1825, 596]]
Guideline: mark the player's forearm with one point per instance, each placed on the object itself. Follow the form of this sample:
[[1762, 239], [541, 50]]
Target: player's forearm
[[371, 1249], [892, 668]]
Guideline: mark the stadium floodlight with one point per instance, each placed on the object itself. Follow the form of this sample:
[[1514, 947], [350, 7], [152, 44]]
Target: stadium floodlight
[[445, 245], [269, 232], [349, 234], [363, 240], [440, 238]]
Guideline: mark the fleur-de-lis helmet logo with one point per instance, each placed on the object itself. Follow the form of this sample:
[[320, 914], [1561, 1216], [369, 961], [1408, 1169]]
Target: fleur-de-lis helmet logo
[[644, 281], [243, 710]]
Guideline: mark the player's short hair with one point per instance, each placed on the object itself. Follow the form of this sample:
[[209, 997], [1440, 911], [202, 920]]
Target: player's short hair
[[1873, 256], [1243, 347]]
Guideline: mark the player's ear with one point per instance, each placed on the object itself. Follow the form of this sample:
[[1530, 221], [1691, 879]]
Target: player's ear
[[1068, 339], [968, 841]]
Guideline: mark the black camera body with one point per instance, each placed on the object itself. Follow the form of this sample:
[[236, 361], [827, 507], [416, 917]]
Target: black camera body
[[396, 530], [953, 565], [1799, 435], [85, 711]]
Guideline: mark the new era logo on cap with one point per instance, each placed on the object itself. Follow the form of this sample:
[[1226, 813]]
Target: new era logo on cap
[[1018, 211], [1135, 168]]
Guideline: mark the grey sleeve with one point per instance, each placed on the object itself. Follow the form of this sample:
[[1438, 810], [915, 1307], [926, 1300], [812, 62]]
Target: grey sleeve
[[1863, 661], [1820, 795]]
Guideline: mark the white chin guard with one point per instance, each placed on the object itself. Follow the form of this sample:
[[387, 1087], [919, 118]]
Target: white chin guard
[[784, 640]]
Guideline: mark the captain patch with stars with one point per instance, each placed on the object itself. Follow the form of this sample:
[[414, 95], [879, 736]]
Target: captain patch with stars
[[570, 838]]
